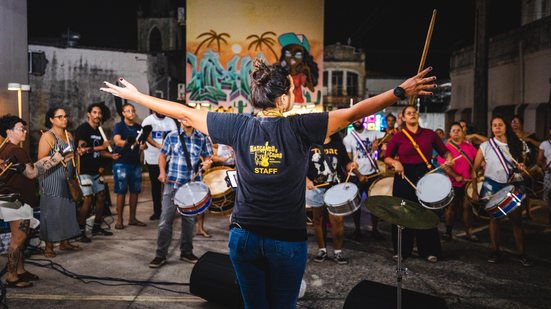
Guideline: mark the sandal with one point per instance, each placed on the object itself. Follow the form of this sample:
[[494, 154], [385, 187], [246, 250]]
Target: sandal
[[432, 259], [49, 253], [137, 223], [20, 283], [69, 246], [28, 276], [119, 226]]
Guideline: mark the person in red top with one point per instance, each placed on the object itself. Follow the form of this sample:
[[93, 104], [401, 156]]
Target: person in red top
[[414, 165], [459, 175]]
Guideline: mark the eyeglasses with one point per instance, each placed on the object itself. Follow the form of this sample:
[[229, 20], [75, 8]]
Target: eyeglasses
[[61, 117], [21, 129], [130, 111]]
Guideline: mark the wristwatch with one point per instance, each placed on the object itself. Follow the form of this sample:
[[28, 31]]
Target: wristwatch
[[400, 93]]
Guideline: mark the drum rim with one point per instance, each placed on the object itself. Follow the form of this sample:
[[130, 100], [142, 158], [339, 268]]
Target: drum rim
[[357, 205], [213, 169], [339, 185]]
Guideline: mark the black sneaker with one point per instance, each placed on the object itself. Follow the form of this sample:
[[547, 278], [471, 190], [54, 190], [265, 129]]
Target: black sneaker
[[189, 257], [495, 257], [340, 259], [321, 256], [101, 231], [523, 259], [84, 238], [154, 217], [157, 262]]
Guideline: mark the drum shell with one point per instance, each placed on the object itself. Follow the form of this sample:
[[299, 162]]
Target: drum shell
[[346, 207], [507, 204], [223, 196], [381, 184], [426, 183], [201, 200]]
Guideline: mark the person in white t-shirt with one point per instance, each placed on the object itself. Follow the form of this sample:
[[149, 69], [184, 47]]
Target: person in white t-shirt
[[359, 144], [161, 126], [544, 161], [500, 154]]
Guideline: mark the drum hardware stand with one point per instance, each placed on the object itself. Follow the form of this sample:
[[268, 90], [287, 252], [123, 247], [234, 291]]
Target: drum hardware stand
[[400, 271]]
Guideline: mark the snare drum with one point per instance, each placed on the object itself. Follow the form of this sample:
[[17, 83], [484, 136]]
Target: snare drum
[[192, 199], [222, 195], [504, 201], [381, 186], [342, 199], [434, 191]]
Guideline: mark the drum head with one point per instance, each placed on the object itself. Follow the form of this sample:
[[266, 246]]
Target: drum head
[[191, 194], [433, 188], [381, 186], [340, 193], [499, 196], [215, 178]]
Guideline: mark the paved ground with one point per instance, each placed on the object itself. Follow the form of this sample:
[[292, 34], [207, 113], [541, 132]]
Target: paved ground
[[464, 279]]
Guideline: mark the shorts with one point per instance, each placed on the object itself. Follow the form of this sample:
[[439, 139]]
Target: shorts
[[314, 198], [490, 187], [91, 184], [127, 176]]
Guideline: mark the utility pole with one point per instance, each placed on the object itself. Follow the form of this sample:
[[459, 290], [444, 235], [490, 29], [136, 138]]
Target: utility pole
[[480, 53]]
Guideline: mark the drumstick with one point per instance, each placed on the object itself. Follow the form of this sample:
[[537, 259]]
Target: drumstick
[[524, 169], [4, 142], [52, 146], [322, 185], [439, 167], [69, 143], [407, 179], [7, 168], [425, 49], [379, 143], [347, 177], [105, 138]]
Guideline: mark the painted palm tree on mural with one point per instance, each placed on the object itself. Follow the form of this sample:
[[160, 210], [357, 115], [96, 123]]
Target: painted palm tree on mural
[[210, 37], [262, 40]]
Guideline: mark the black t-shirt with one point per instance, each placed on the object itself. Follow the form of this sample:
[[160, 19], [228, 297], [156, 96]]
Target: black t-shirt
[[128, 155], [89, 162], [329, 166], [13, 182], [272, 161]]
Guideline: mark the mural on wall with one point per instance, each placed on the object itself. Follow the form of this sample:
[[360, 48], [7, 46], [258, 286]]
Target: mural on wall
[[221, 46]]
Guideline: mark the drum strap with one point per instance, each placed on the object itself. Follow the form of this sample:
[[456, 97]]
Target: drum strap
[[463, 154], [506, 164], [367, 153], [186, 152], [429, 166]]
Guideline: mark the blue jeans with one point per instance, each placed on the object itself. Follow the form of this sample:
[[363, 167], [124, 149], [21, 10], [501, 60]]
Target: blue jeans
[[269, 271], [168, 214], [127, 176]]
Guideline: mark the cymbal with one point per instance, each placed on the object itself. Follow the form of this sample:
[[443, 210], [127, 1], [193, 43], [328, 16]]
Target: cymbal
[[402, 212]]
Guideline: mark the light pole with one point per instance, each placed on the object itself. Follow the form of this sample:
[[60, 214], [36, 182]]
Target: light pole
[[19, 88]]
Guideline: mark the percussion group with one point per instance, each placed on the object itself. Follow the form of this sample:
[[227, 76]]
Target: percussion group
[[434, 191]]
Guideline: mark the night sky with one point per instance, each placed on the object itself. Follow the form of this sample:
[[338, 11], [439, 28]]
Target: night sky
[[391, 32]]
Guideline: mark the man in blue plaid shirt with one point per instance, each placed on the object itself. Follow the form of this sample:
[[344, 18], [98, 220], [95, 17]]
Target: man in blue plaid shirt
[[179, 173]]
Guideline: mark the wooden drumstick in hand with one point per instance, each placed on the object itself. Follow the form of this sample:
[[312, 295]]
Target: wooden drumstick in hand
[[439, 167], [105, 138], [407, 179]]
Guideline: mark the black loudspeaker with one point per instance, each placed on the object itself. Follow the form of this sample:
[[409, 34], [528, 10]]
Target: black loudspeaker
[[369, 294], [213, 279]]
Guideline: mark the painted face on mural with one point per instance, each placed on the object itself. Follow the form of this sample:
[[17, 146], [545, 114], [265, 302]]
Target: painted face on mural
[[294, 55]]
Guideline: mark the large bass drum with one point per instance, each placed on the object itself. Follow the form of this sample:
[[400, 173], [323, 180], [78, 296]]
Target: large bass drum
[[222, 195]]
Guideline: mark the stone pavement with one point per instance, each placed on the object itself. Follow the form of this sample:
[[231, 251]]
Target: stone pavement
[[464, 278]]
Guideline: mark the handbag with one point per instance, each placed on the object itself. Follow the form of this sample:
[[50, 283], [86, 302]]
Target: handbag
[[74, 188]]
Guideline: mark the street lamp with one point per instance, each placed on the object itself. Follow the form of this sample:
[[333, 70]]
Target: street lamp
[[19, 88]]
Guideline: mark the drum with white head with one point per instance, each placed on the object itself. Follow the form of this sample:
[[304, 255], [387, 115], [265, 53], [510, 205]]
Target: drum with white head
[[434, 191], [192, 199], [342, 199]]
